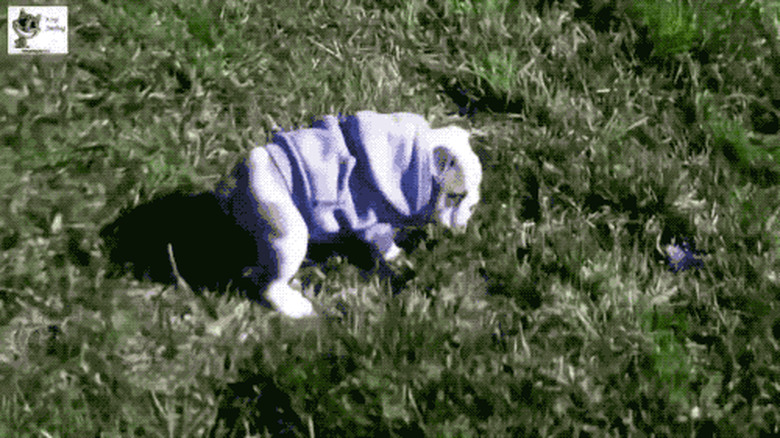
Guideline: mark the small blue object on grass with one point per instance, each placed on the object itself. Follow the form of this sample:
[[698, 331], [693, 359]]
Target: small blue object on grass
[[683, 257]]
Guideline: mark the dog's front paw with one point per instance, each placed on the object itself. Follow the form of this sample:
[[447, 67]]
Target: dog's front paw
[[392, 253], [288, 301]]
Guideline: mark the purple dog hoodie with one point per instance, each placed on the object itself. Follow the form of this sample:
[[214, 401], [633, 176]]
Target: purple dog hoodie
[[368, 173]]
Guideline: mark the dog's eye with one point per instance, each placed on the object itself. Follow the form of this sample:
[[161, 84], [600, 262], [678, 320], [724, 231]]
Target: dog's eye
[[455, 198]]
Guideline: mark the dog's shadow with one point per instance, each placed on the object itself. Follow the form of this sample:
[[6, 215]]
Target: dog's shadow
[[209, 249]]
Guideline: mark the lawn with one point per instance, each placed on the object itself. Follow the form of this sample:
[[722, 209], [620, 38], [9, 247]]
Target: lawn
[[621, 276]]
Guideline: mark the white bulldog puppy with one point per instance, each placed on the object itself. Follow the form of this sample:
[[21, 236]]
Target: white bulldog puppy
[[369, 174]]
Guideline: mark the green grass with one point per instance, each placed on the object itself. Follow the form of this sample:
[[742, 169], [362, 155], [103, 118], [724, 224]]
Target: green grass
[[606, 132]]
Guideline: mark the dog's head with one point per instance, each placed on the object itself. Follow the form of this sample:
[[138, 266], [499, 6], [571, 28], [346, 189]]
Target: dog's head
[[457, 173]]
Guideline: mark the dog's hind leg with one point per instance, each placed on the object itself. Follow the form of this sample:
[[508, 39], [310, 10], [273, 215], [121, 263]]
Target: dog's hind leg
[[279, 230]]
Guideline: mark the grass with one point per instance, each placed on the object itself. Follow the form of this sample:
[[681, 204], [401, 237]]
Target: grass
[[608, 131]]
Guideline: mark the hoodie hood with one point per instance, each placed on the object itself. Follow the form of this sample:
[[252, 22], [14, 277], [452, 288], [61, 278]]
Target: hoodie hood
[[396, 156]]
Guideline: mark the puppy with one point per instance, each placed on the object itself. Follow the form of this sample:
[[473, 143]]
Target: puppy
[[368, 174]]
